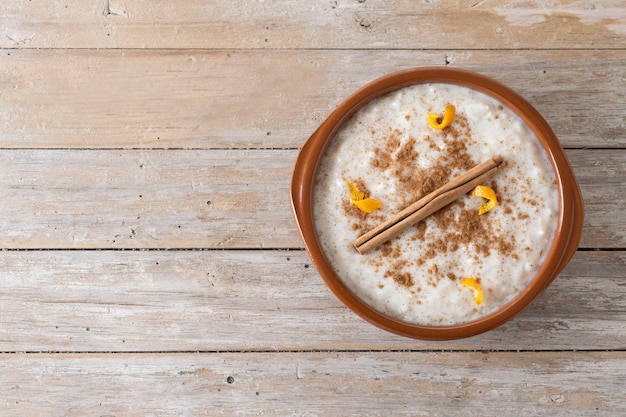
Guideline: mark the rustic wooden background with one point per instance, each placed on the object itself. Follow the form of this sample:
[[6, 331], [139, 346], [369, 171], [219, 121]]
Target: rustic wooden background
[[150, 265]]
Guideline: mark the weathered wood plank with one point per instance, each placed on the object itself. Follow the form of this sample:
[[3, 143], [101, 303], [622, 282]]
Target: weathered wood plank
[[207, 198], [604, 211], [314, 384], [243, 99], [147, 199], [467, 24], [148, 301]]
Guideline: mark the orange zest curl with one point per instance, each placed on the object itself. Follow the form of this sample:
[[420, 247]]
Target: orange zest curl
[[472, 283], [366, 205], [488, 193], [355, 194], [440, 123]]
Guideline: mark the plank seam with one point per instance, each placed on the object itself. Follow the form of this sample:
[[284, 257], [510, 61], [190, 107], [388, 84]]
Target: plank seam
[[310, 351]]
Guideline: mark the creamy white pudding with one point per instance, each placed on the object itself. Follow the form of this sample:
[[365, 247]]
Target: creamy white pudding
[[390, 152]]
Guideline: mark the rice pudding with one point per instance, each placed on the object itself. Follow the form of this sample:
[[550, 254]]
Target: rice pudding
[[390, 152]]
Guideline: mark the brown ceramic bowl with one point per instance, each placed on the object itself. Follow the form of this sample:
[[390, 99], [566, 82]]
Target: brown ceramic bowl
[[570, 216]]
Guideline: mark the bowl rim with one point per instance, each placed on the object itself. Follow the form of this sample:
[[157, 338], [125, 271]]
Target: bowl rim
[[569, 222]]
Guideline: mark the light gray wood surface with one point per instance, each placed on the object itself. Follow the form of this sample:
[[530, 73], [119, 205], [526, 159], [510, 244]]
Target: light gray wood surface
[[256, 98], [319, 383], [148, 247], [336, 24]]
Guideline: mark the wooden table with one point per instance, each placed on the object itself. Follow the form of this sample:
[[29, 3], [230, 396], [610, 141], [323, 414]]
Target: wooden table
[[150, 262]]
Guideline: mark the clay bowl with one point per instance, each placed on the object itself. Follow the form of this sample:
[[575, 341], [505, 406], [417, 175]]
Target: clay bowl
[[569, 221]]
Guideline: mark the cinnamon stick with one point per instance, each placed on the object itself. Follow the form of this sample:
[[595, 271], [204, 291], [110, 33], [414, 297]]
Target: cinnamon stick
[[428, 204]]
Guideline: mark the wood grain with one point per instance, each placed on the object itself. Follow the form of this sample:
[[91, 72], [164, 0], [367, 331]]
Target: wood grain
[[337, 24], [257, 99], [154, 301], [149, 262], [218, 199], [317, 383]]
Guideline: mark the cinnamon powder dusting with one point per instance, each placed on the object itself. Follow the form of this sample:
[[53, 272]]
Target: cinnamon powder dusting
[[461, 226]]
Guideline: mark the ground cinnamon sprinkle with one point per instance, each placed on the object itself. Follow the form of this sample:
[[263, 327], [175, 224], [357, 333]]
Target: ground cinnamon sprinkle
[[407, 152], [382, 160], [401, 278], [393, 141], [461, 225]]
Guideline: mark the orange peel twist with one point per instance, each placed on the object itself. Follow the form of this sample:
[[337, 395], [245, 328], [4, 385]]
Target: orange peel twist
[[472, 283], [448, 116], [366, 205], [488, 193]]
